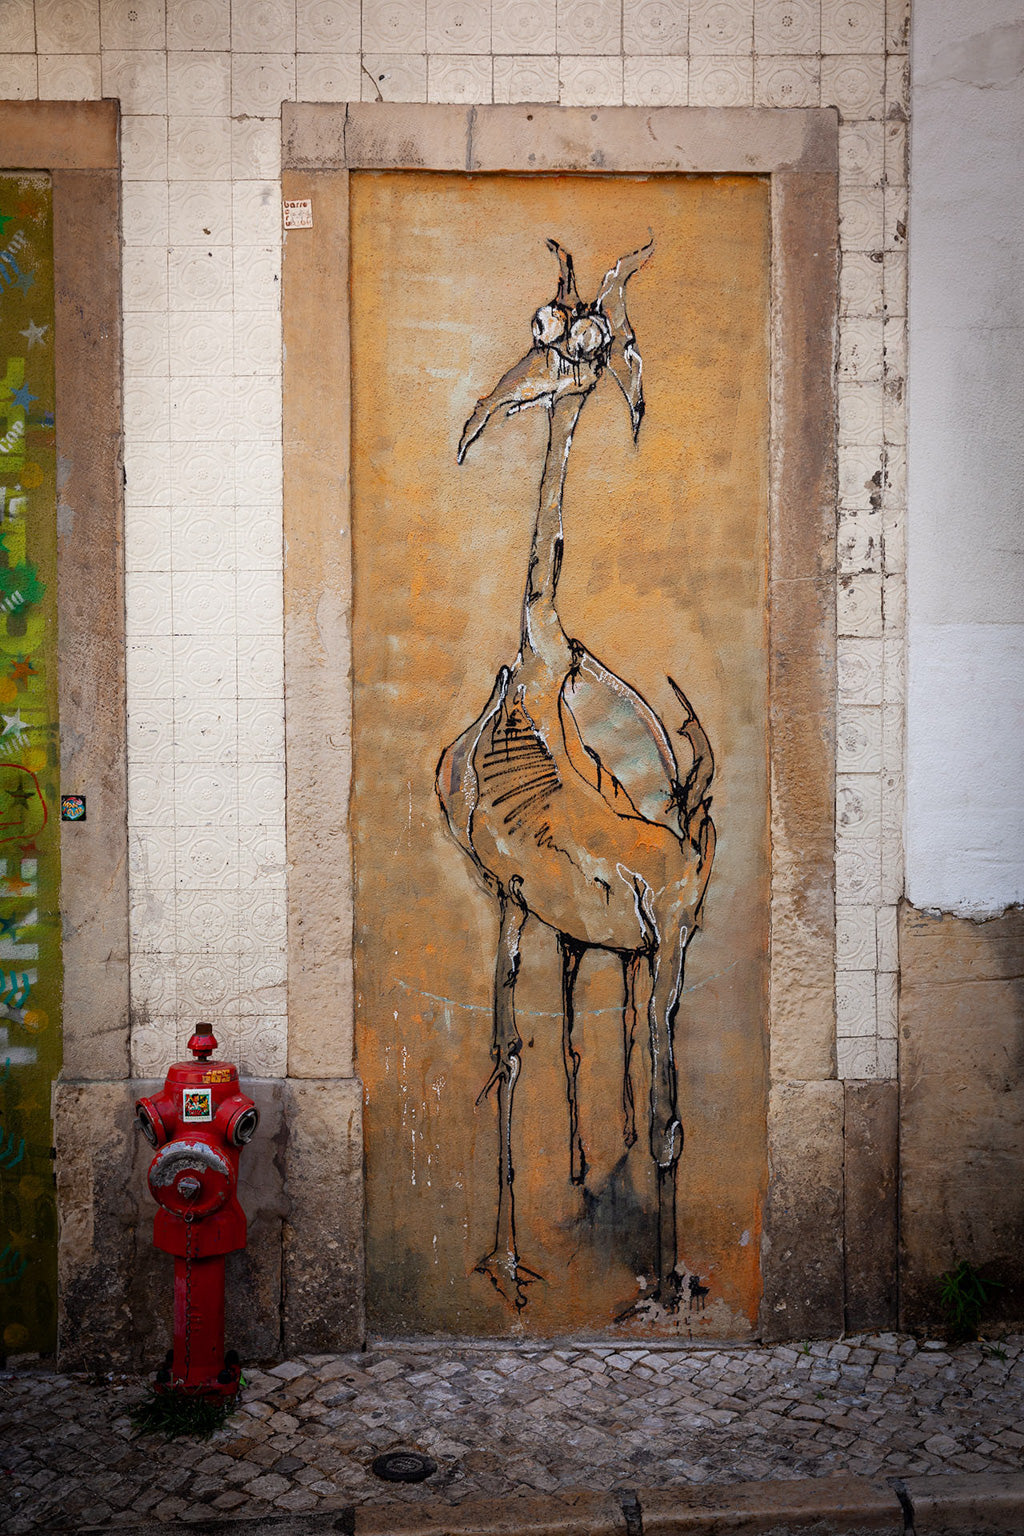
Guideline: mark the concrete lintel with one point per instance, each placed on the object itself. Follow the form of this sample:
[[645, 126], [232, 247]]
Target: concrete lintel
[[530, 138], [60, 135]]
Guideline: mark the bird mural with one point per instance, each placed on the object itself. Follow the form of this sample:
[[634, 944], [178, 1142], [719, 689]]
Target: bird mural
[[566, 792]]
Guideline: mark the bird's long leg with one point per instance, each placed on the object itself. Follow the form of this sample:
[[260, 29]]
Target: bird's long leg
[[630, 1019], [502, 1266], [666, 1133], [572, 953]]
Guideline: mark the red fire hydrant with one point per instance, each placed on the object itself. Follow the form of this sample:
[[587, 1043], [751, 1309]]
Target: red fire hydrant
[[199, 1124]]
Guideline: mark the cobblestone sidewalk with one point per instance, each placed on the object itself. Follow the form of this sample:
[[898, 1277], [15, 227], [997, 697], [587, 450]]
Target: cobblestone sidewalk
[[500, 1418]]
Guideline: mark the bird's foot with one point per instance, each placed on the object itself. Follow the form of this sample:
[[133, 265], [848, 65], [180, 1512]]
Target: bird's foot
[[508, 1275]]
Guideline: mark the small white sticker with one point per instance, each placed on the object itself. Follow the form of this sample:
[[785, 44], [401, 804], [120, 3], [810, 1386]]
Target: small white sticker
[[298, 213], [196, 1104]]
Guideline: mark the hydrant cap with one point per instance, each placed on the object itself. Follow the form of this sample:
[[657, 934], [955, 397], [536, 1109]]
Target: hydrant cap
[[203, 1044]]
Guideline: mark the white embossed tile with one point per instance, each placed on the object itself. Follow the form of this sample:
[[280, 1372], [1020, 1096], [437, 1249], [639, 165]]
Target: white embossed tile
[[654, 82], [204, 603], [262, 861], [720, 27], [459, 26], [855, 84], [394, 77], [67, 26], [70, 76], [199, 149], [887, 1006], [151, 857], [199, 212], [256, 407], [201, 277], [328, 26], [787, 26], [260, 667], [138, 25], [151, 922], [860, 284], [203, 540], [147, 407], [260, 731], [263, 921], [858, 805], [19, 26], [721, 82], [200, 411], [860, 351], [199, 84], [257, 276], [394, 26], [148, 668], [202, 345], [256, 212], [888, 1060], [257, 342], [786, 82], [204, 668], [894, 604], [523, 27], [144, 212], [861, 219], [206, 984], [897, 26], [260, 82], [147, 538], [852, 26], [859, 541], [207, 921], [525, 79], [146, 345], [150, 731], [588, 26], [261, 792], [147, 475], [148, 603], [20, 72], [590, 82], [896, 218], [860, 413], [263, 1046], [855, 1003], [655, 28], [858, 740], [855, 938], [888, 939], [896, 154], [459, 78], [258, 472], [205, 794], [199, 24], [859, 870], [859, 669], [328, 77], [256, 147], [261, 985], [263, 26], [859, 606], [144, 281], [151, 795], [138, 77], [857, 1059], [154, 1046], [258, 596], [205, 857], [861, 153], [205, 475], [894, 686], [143, 148]]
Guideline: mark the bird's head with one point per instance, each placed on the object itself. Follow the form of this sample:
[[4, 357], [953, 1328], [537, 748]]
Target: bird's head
[[574, 344]]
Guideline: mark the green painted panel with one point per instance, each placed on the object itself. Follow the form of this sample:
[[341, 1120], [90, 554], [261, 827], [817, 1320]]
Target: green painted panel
[[30, 951]]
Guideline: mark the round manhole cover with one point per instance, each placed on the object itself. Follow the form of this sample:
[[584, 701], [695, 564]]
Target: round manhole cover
[[403, 1467]]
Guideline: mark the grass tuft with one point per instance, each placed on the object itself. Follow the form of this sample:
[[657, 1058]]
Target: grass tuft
[[177, 1415]]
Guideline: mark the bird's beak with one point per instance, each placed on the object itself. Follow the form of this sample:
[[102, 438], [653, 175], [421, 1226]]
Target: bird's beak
[[532, 378]]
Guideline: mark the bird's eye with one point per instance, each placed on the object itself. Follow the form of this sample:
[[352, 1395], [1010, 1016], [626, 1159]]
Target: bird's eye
[[549, 325], [587, 337]]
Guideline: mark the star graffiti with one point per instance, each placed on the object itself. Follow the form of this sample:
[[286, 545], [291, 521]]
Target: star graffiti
[[35, 335]]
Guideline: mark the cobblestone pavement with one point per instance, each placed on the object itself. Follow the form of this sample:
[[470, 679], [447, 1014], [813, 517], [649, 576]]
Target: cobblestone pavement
[[499, 1418]]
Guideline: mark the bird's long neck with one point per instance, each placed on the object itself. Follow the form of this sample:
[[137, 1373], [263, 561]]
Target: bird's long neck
[[541, 626]]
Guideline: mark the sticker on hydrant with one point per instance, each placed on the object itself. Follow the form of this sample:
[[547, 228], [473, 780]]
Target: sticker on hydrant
[[197, 1104]]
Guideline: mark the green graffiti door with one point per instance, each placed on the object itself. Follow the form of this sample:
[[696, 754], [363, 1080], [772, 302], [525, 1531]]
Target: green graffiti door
[[30, 937]]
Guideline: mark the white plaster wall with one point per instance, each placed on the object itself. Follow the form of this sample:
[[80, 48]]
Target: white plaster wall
[[965, 746], [200, 84]]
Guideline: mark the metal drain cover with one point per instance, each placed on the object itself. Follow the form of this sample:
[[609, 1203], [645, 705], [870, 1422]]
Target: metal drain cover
[[403, 1467]]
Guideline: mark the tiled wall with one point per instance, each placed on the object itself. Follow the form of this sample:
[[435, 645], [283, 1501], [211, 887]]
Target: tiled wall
[[200, 84]]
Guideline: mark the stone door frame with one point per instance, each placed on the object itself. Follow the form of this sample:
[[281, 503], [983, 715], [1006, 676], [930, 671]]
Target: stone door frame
[[802, 1235]]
